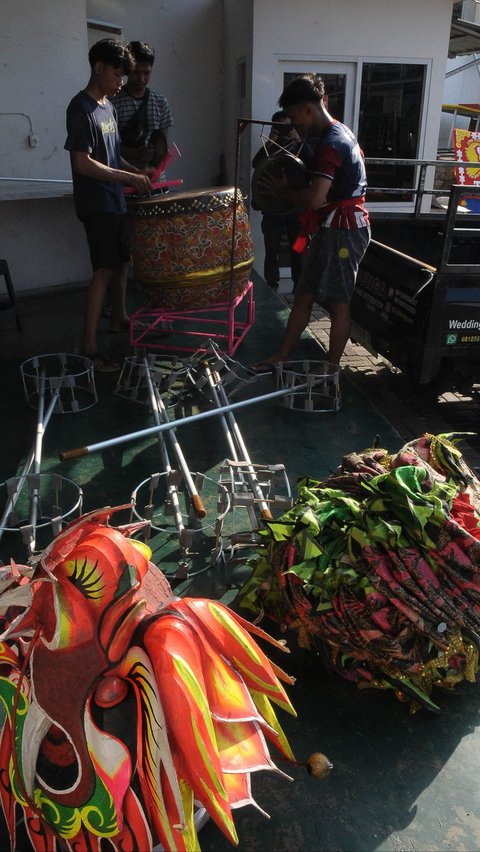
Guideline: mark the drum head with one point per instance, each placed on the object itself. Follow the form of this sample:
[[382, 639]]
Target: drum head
[[191, 201], [297, 176]]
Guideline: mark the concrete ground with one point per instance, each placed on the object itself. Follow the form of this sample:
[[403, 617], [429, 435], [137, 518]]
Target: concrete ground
[[400, 782]]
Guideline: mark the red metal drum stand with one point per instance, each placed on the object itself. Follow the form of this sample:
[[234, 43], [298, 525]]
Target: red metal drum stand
[[190, 330]]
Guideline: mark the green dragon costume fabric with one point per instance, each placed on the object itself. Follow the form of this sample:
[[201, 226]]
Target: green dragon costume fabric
[[377, 567]]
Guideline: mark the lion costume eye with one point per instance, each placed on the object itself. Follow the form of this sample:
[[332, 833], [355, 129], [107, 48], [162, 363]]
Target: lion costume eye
[[87, 578]]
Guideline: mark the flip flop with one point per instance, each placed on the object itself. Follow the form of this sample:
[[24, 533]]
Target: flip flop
[[161, 329], [125, 326], [102, 364], [118, 329]]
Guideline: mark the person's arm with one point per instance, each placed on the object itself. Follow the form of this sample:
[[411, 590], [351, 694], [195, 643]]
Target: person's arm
[[128, 167], [128, 153], [313, 196], [84, 164]]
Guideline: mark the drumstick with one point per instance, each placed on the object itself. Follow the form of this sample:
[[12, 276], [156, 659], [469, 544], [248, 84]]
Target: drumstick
[[162, 184], [172, 153], [78, 452]]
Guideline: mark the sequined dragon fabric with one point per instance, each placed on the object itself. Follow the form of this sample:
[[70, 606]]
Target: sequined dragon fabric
[[378, 568]]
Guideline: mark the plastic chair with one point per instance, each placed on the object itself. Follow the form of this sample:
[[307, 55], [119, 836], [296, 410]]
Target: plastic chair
[[10, 302]]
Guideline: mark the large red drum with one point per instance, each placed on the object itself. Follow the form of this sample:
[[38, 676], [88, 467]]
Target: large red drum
[[182, 247]]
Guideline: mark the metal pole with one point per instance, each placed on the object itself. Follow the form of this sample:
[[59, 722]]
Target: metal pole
[[195, 498], [229, 438], [36, 180], [37, 459], [78, 452], [26, 467], [221, 396], [234, 212], [172, 490]]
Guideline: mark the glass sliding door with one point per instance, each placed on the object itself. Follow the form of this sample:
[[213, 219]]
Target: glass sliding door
[[339, 79], [335, 87], [383, 103], [389, 123]]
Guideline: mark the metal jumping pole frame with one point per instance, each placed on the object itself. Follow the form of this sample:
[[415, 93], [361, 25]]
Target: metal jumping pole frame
[[33, 489], [166, 491], [249, 485]]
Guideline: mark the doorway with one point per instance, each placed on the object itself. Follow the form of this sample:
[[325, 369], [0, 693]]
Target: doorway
[[389, 123], [339, 79], [382, 101]]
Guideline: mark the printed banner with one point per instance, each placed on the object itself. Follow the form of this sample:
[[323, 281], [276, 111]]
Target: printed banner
[[467, 149]]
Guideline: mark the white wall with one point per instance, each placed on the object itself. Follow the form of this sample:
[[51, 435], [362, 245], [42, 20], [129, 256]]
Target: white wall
[[43, 54], [238, 50], [43, 49], [43, 243], [44, 62], [350, 30], [187, 38]]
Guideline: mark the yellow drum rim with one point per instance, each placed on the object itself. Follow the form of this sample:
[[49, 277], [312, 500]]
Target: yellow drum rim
[[192, 278]]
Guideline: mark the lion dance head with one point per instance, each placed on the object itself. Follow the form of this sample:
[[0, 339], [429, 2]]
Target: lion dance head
[[126, 709]]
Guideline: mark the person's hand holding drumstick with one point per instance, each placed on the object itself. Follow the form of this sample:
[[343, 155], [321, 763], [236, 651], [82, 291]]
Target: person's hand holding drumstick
[[275, 185]]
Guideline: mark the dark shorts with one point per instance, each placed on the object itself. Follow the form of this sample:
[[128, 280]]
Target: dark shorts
[[108, 239], [331, 265]]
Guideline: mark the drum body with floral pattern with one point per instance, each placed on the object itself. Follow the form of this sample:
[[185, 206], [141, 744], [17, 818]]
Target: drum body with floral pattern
[[191, 249]]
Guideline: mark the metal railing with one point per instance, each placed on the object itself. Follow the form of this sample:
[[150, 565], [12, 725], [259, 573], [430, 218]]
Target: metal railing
[[417, 190]]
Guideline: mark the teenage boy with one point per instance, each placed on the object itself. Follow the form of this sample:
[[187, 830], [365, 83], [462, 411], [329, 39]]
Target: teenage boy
[[143, 115], [99, 174], [337, 195]]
